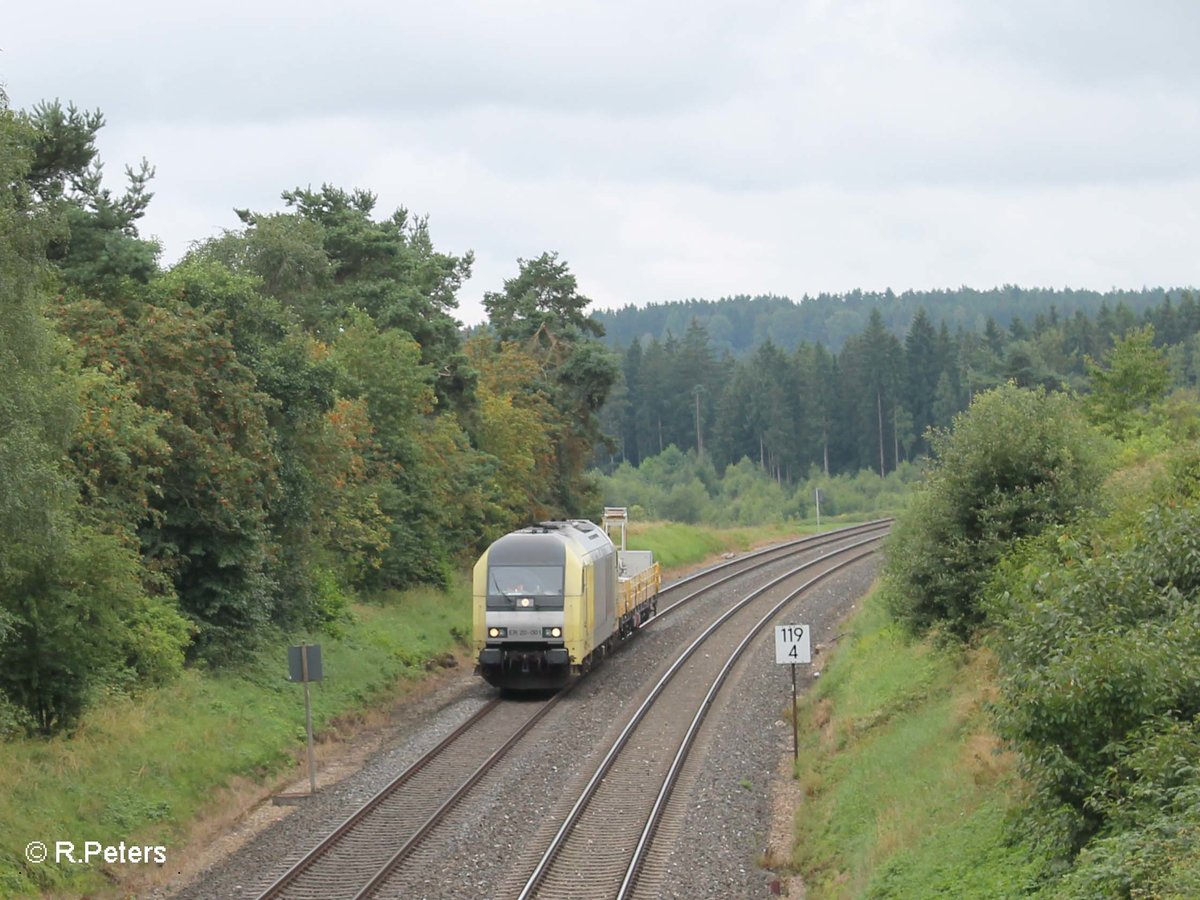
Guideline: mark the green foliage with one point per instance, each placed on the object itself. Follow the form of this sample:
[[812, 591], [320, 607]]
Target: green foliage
[[871, 364], [1017, 462], [1100, 640], [63, 145], [1136, 376], [779, 396], [1155, 855], [209, 512], [287, 254], [740, 323], [745, 495], [15, 720], [512, 427], [118, 453], [383, 369], [542, 303], [74, 616], [82, 621], [332, 602], [866, 408], [388, 269], [99, 250], [678, 486], [298, 376], [542, 310]]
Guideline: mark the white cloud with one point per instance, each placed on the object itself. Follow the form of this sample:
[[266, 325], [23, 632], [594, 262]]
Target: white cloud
[[670, 150]]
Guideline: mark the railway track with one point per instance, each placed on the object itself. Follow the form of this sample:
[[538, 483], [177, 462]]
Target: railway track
[[363, 848], [358, 858], [603, 842], [699, 582]]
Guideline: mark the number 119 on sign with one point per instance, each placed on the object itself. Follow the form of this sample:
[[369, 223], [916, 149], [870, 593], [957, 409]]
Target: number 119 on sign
[[792, 644]]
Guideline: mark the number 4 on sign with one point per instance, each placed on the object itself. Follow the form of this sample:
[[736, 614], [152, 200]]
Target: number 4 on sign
[[792, 644]]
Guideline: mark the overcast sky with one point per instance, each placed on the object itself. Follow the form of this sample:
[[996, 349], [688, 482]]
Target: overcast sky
[[667, 150]]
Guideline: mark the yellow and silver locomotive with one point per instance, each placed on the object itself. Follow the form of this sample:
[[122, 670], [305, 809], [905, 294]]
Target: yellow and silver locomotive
[[552, 599]]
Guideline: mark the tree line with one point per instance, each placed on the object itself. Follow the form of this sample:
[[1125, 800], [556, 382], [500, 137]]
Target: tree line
[[196, 457], [739, 324], [870, 404]]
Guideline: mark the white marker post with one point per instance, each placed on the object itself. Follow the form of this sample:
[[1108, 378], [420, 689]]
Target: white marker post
[[793, 645]]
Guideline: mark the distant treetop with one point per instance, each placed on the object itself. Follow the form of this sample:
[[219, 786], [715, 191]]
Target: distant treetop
[[740, 323]]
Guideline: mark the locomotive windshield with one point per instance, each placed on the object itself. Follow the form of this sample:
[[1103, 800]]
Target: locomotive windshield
[[526, 565], [506, 584]]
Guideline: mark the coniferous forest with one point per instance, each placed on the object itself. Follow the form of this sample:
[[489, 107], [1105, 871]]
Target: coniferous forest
[[792, 403]]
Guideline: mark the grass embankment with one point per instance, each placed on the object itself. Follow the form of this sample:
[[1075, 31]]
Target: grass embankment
[[144, 770], [905, 794], [140, 770], [676, 544]]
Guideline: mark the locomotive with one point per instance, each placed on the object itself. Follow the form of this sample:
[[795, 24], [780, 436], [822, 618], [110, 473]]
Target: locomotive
[[553, 599]]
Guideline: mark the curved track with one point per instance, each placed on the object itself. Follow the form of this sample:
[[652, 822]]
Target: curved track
[[359, 856], [706, 579], [600, 847]]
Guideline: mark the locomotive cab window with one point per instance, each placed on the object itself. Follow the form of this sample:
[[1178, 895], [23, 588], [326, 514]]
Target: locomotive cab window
[[526, 566], [508, 584]]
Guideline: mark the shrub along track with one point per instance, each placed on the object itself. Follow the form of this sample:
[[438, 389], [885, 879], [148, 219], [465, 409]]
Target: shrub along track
[[371, 849]]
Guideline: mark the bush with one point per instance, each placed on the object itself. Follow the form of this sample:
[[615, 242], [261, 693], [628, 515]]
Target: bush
[[14, 720], [687, 503], [1015, 463], [1100, 644], [82, 622]]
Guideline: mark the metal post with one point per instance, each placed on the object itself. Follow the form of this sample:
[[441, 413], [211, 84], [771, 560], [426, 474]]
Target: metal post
[[795, 724], [312, 764]]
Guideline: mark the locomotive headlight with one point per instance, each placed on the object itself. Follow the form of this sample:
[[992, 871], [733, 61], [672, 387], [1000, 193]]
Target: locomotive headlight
[[525, 603], [554, 632], [494, 632]]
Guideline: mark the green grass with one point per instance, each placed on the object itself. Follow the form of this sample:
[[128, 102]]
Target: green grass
[[905, 793], [676, 544], [140, 770]]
